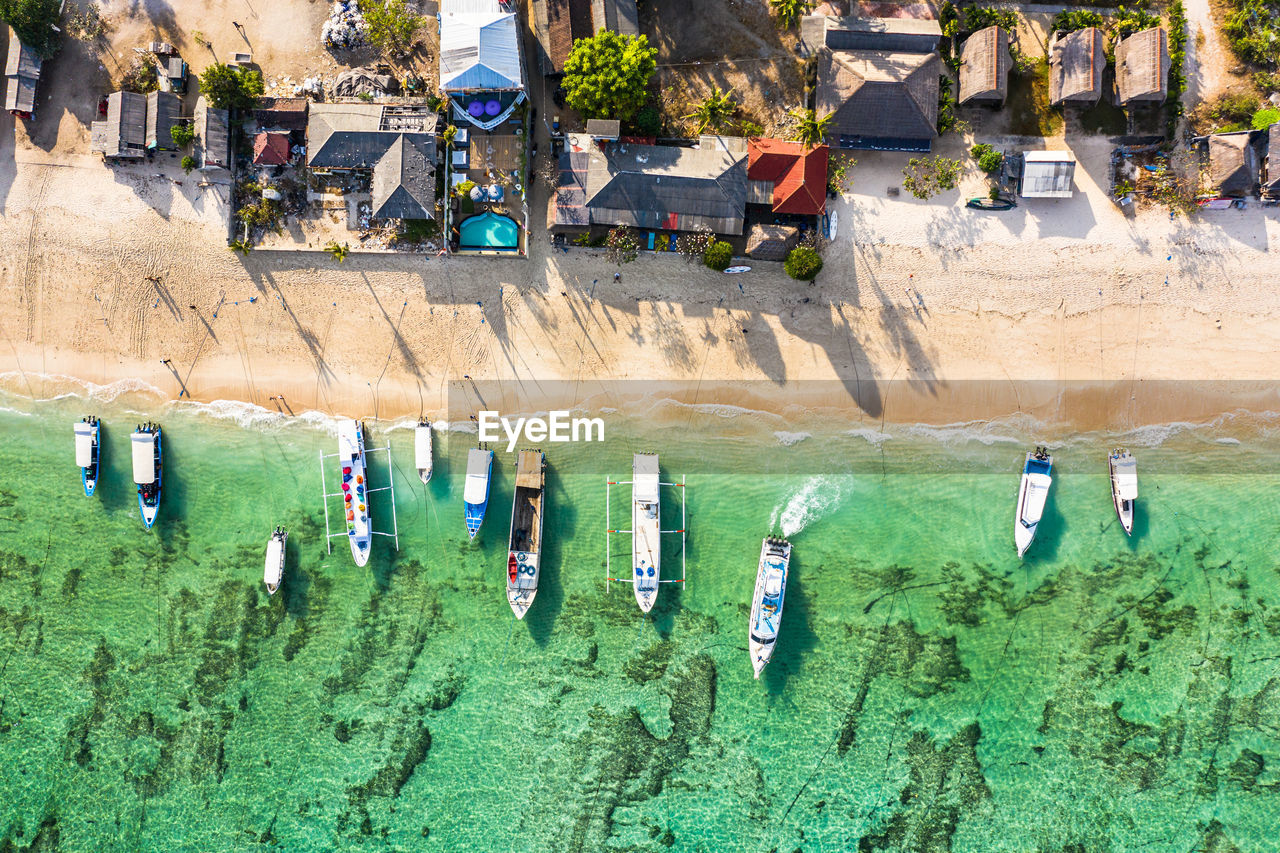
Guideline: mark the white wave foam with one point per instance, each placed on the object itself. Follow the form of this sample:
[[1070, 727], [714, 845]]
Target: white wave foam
[[1231, 441], [107, 393], [789, 439], [816, 497], [871, 436]]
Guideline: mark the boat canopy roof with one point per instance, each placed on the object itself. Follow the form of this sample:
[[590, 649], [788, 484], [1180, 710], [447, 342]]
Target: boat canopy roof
[[275, 557], [644, 485], [144, 458], [476, 488], [1126, 471], [422, 446], [84, 444], [349, 439], [529, 469]]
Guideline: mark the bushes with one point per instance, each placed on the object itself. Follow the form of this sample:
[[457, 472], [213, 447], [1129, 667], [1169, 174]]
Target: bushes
[[622, 246], [188, 163], [607, 75], [718, 255], [839, 173], [989, 160], [34, 22], [925, 177], [946, 105], [1263, 119], [1075, 19], [803, 263], [182, 135], [980, 17], [1177, 53], [649, 121], [1253, 30], [230, 88], [1135, 20]]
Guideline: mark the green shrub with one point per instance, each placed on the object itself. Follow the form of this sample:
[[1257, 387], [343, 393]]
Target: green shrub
[[718, 255], [946, 105], [1070, 20], [1135, 20], [925, 177], [803, 263], [649, 121], [1177, 53], [182, 135], [1263, 119], [622, 245], [990, 162], [188, 163], [1253, 31], [980, 17]]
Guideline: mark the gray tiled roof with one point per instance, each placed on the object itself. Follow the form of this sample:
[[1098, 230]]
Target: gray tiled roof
[[874, 94], [404, 184]]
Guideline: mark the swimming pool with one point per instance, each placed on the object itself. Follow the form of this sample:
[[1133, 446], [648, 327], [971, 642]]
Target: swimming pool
[[489, 231]]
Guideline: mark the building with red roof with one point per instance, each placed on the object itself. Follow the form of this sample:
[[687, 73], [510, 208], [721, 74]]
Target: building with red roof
[[798, 174], [271, 149]]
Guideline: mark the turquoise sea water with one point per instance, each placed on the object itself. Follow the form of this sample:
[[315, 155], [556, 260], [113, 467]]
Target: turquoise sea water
[[930, 691]]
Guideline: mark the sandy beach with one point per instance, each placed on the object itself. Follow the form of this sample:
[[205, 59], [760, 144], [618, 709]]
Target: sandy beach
[[105, 281]]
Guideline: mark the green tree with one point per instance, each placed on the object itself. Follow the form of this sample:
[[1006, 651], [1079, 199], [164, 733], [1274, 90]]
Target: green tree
[[989, 160], [607, 75], [811, 130], [338, 250], [182, 135], [1070, 20], [840, 173], [34, 22], [188, 163], [803, 263], [241, 246], [230, 88], [789, 12], [1135, 20], [391, 26], [718, 255], [715, 110], [925, 177]]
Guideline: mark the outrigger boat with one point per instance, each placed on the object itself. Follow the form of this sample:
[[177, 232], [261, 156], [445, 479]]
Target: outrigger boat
[[475, 489], [273, 573], [146, 470], [87, 450], [355, 487], [524, 554], [646, 529], [766, 605], [1037, 476], [1124, 485], [422, 448]]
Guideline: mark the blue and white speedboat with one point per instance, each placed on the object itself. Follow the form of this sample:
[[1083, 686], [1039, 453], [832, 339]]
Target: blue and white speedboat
[[1037, 476], [355, 489], [766, 604], [87, 450], [475, 491], [146, 470]]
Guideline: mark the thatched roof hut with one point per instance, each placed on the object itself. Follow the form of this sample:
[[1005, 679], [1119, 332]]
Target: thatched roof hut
[[1076, 61], [985, 61], [1142, 68], [1233, 163], [771, 242]]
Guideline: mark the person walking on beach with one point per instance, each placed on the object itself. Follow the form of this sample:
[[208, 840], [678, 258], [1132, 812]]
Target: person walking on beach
[[617, 277]]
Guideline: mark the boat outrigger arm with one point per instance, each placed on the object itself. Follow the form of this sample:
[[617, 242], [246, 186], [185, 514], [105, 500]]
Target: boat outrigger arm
[[325, 494], [683, 531]]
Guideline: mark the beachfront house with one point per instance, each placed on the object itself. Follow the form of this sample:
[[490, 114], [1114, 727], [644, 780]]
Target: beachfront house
[[392, 145], [985, 61], [559, 23], [1234, 164], [122, 135], [481, 71], [1076, 63], [1271, 165], [652, 187], [21, 77], [1142, 68], [788, 177], [213, 138], [163, 109], [1047, 174], [271, 148], [879, 78]]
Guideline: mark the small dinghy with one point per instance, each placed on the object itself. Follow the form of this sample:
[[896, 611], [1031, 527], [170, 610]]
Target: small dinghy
[[422, 448], [475, 489], [274, 571], [146, 470], [524, 550], [766, 604], [87, 449], [646, 532], [1037, 476], [1124, 485]]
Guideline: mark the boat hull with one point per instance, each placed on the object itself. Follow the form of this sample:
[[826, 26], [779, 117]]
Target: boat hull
[[88, 430], [89, 483], [358, 514], [475, 489], [475, 517], [149, 511], [273, 566], [1033, 495], [646, 530], [524, 542], [422, 450], [765, 621], [1124, 506]]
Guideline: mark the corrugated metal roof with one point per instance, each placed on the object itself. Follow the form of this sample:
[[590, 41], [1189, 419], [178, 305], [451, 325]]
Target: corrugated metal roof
[[20, 94], [162, 114], [480, 52], [898, 35], [1047, 174], [124, 132], [621, 16], [212, 136], [23, 61]]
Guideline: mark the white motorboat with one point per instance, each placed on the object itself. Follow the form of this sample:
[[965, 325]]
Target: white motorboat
[[646, 524], [524, 552], [1037, 476], [355, 489], [422, 448], [273, 572], [766, 604], [1124, 485], [475, 489], [146, 470], [87, 450]]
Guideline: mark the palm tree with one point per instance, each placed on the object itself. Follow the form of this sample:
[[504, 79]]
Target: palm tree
[[715, 109], [338, 250], [241, 246], [789, 12], [811, 130]]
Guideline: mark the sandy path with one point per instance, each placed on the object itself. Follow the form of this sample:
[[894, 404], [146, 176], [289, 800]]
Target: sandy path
[[1209, 60]]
